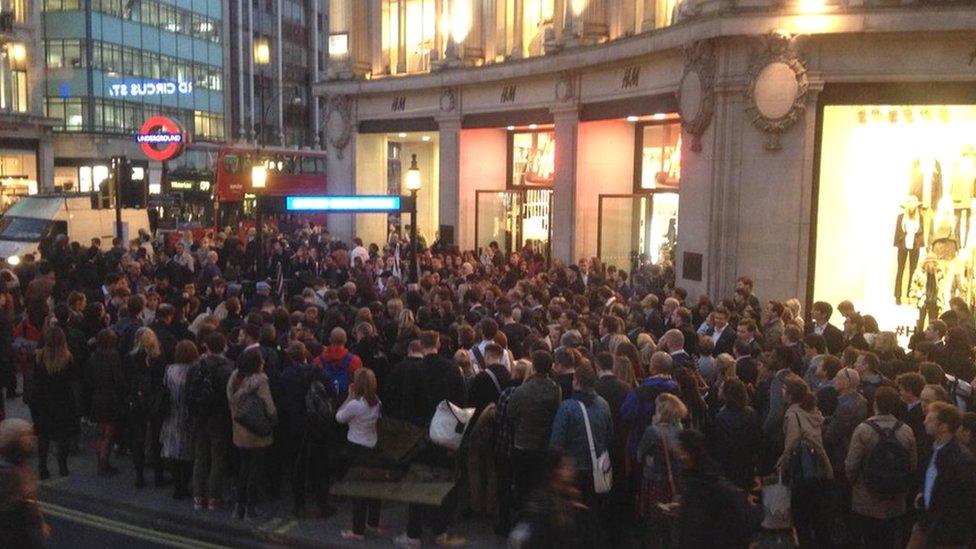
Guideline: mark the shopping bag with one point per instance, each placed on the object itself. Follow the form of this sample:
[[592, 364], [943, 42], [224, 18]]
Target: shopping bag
[[449, 424], [776, 506]]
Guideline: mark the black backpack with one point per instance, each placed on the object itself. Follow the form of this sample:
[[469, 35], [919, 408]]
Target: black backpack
[[201, 389], [319, 408], [887, 471]]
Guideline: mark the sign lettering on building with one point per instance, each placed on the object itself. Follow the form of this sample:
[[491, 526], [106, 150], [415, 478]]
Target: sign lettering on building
[[508, 94], [149, 88], [399, 103], [631, 77]]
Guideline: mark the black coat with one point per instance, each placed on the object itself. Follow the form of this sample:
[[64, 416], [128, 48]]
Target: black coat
[[8, 378], [725, 341], [107, 386], [735, 444], [441, 380], [832, 335], [951, 515], [52, 403], [714, 513]]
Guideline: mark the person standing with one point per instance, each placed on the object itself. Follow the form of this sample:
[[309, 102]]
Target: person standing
[[105, 381], [805, 463], [143, 370], [949, 485], [52, 401], [531, 411], [213, 427], [361, 411], [583, 428], [176, 434], [879, 508], [247, 379]]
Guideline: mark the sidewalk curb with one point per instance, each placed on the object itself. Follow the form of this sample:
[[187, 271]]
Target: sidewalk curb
[[225, 533]]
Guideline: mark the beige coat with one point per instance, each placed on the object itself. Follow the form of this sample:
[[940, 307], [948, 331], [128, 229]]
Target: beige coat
[[257, 382], [863, 502], [799, 424]]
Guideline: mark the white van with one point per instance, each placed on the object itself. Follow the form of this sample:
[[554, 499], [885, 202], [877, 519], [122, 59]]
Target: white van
[[33, 218]]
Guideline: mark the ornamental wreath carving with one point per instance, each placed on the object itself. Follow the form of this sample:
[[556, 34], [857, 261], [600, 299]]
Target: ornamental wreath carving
[[696, 92], [338, 122], [566, 87], [448, 100], [776, 96]]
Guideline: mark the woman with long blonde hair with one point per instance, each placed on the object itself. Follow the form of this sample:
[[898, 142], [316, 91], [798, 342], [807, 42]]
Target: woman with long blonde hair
[[52, 401], [143, 370]]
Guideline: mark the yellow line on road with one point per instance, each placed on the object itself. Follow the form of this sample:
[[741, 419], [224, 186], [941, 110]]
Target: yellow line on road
[[138, 532]]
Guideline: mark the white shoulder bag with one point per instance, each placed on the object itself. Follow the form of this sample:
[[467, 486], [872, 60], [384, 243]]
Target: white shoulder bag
[[602, 470]]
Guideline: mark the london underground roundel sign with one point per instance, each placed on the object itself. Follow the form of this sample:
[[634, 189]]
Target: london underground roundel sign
[[162, 138]]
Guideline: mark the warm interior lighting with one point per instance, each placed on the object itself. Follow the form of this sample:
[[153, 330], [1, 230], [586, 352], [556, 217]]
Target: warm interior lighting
[[401, 135], [660, 116], [812, 6], [259, 177], [262, 51], [460, 19], [425, 138], [633, 118], [510, 128], [533, 126], [18, 52], [413, 174], [578, 6]]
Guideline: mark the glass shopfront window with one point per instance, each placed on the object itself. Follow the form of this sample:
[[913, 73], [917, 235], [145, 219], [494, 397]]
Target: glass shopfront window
[[532, 158], [18, 175], [894, 223], [659, 146]]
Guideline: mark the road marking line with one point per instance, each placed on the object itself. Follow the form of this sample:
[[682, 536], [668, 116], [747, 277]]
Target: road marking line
[[286, 527], [118, 527]]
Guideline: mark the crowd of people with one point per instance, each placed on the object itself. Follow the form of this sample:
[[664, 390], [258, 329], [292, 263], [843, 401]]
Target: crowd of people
[[608, 409]]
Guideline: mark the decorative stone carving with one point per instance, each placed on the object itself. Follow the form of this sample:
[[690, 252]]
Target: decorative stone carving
[[776, 97], [696, 92], [448, 100], [338, 122], [566, 87]]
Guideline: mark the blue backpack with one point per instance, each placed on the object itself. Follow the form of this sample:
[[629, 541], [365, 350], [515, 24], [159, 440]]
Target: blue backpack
[[339, 376]]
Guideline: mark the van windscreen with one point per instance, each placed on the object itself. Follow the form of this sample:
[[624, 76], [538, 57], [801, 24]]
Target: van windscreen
[[23, 229]]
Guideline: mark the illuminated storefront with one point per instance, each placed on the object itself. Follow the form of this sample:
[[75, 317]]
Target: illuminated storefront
[[904, 257]]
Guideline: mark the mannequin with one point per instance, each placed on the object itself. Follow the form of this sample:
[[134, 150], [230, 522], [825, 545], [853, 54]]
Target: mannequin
[[909, 238], [926, 186], [963, 190], [926, 292]]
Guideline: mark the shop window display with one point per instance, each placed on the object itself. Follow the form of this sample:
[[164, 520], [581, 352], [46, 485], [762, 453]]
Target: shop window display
[[533, 158], [894, 210]]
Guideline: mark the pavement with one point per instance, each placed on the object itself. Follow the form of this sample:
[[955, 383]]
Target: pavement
[[90, 511]]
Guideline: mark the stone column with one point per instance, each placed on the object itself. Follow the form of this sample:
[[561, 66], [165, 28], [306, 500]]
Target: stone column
[[340, 124], [648, 22], [45, 161], [401, 60], [376, 37], [449, 172], [517, 19], [563, 214]]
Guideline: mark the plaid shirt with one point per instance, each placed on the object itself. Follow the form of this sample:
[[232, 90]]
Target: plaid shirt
[[504, 431]]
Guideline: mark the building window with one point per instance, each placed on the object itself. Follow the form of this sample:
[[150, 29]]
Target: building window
[[62, 5], [533, 155], [659, 154], [69, 112], [18, 91], [63, 54]]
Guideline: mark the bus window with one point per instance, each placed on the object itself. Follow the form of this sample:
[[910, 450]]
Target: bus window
[[232, 163], [309, 164]]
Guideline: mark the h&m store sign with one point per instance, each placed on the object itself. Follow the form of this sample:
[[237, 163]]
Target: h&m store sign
[[149, 88]]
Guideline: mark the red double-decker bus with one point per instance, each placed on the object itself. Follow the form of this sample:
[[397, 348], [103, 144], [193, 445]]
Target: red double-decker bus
[[291, 172]]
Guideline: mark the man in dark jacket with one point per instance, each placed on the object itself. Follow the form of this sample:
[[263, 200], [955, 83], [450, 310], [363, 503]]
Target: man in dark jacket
[[946, 500], [531, 410], [723, 335], [440, 377], [713, 512], [394, 393], [488, 383], [163, 327], [820, 313]]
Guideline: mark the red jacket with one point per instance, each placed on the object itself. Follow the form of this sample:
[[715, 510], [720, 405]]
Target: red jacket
[[332, 356]]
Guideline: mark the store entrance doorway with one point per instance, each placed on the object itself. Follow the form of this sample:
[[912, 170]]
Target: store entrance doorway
[[637, 228], [514, 219]]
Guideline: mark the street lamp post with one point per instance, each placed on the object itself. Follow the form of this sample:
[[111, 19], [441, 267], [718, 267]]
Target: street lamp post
[[259, 172], [413, 185]]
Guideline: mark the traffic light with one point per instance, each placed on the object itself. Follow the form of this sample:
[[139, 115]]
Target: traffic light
[[131, 190]]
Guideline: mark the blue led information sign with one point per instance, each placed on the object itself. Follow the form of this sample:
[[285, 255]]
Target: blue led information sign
[[348, 204], [149, 87]]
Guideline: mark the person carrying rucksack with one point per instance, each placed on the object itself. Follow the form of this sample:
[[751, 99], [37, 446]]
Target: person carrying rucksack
[[880, 464], [206, 396], [338, 363]]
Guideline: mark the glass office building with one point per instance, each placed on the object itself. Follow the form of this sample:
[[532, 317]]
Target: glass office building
[[111, 64]]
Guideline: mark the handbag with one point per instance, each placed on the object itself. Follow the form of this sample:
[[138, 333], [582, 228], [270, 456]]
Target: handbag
[[776, 506], [252, 415], [602, 469], [667, 467], [449, 424]]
